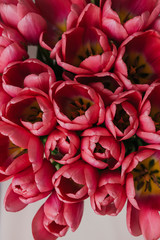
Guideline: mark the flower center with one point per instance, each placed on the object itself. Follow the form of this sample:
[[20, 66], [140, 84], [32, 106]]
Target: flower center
[[121, 118], [147, 177], [15, 151], [124, 15], [139, 71], [87, 50], [56, 154], [77, 107], [99, 148], [32, 113], [96, 2]]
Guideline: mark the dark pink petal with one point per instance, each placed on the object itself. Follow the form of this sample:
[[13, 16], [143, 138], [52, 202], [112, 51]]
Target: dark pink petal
[[38, 230], [12, 201]]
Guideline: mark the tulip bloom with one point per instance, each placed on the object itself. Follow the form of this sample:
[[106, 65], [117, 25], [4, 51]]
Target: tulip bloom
[[100, 149], [24, 16], [149, 128], [83, 106], [31, 73], [122, 115], [54, 218], [127, 17], [17, 152], [28, 187], [142, 170], [75, 182], [91, 54], [62, 146], [107, 85], [33, 111], [137, 64], [11, 46], [59, 18], [110, 196]]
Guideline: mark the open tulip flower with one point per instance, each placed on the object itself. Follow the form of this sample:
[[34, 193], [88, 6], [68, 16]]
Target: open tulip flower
[[30, 73], [143, 191], [121, 19], [16, 149], [80, 115], [83, 106], [91, 54], [137, 65]]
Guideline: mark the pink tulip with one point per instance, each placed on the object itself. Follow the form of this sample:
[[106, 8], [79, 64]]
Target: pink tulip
[[142, 172], [127, 17], [83, 106], [28, 187], [149, 128], [75, 182], [110, 196], [54, 218], [59, 17], [137, 64], [62, 146], [31, 73], [17, 152], [91, 54], [12, 46], [33, 110], [24, 16], [100, 149], [107, 85], [122, 115]]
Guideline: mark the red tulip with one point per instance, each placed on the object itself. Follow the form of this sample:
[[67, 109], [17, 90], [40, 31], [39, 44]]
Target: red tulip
[[62, 146], [54, 218], [110, 195], [28, 187], [75, 182], [100, 149], [83, 106]]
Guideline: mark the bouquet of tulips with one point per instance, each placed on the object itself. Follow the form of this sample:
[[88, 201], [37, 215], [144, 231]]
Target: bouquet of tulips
[[82, 119]]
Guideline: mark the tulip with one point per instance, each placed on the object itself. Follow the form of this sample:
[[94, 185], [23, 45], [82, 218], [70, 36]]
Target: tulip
[[100, 149], [28, 187], [110, 196], [91, 54], [54, 218], [75, 182], [149, 127], [127, 17], [17, 152], [107, 85], [122, 115], [31, 73], [12, 46], [62, 146], [142, 172], [137, 64], [33, 110], [83, 106], [24, 16]]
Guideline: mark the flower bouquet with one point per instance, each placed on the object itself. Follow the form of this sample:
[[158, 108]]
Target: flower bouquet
[[82, 119]]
